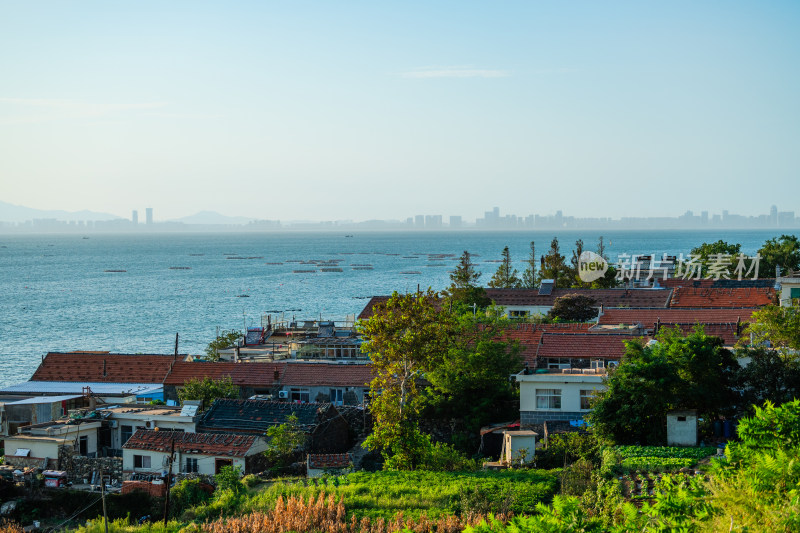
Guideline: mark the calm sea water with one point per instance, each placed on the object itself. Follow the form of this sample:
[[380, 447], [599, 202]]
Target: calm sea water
[[55, 293]]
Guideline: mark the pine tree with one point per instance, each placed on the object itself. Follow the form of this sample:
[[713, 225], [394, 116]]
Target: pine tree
[[553, 266], [464, 289], [529, 276], [506, 275]]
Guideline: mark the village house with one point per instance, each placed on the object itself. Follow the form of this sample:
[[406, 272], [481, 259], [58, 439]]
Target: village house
[[251, 378], [37, 410], [326, 429], [147, 452], [339, 384], [38, 445], [106, 376], [122, 421]]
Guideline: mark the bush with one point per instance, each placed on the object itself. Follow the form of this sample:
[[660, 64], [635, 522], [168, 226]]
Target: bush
[[251, 480], [564, 449], [186, 494]]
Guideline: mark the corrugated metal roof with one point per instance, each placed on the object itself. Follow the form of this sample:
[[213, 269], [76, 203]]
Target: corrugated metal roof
[[45, 399], [72, 387]]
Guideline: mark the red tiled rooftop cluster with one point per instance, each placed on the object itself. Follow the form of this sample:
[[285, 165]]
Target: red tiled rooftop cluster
[[674, 315], [197, 443], [241, 374], [102, 367], [722, 297]]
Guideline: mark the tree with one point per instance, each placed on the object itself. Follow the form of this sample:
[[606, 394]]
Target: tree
[[229, 478], [284, 440], [506, 275], [224, 340], [778, 326], [706, 253], [676, 372], [783, 252], [463, 289], [769, 376], [529, 275], [406, 337], [573, 308], [471, 382], [208, 389], [553, 267]]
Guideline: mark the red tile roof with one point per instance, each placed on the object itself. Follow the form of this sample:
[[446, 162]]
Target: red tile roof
[[242, 374], [674, 315], [195, 443], [369, 310], [103, 367], [605, 297], [578, 345], [327, 375], [726, 332], [528, 336], [329, 460], [722, 297]]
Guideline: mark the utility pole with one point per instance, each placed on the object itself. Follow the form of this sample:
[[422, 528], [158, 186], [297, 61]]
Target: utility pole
[[103, 496], [168, 480]]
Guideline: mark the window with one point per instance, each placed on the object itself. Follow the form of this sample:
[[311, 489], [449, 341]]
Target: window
[[125, 433], [517, 314], [586, 397], [299, 395], [83, 445], [598, 363], [191, 465], [141, 461], [558, 362], [548, 398], [337, 396]]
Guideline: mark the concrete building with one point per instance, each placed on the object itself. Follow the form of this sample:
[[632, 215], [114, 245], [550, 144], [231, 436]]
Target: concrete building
[[135, 217], [149, 216], [565, 394]]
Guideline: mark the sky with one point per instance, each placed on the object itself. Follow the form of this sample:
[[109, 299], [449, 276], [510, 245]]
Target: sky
[[376, 110]]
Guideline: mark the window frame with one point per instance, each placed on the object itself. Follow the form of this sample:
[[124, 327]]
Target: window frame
[[548, 399]]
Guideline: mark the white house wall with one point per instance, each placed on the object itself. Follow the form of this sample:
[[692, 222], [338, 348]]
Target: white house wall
[[570, 386]]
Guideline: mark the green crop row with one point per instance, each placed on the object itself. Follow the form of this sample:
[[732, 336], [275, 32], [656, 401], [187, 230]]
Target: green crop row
[[659, 464], [665, 451]]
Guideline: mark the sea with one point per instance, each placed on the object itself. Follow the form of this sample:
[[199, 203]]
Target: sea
[[132, 293]]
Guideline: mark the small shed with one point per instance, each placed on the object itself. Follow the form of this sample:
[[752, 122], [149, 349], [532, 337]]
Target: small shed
[[318, 464], [55, 478], [518, 446], [682, 428]]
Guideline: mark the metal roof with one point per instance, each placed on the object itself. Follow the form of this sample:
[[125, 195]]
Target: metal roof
[[45, 399], [74, 387]]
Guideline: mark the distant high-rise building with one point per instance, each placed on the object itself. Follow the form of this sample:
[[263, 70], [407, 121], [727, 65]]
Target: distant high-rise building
[[135, 216], [149, 215], [773, 216], [455, 221], [419, 221], [433, 221]]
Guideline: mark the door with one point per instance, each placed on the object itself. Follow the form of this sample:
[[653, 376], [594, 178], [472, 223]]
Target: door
[[219, 464]]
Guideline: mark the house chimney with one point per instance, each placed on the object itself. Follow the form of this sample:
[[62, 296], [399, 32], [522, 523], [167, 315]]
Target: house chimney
[[738, 326], [276, 376], [104, 368]]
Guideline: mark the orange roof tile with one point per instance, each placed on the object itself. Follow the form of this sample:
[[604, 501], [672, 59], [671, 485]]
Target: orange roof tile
[[722, 297], [194, 443], [674, 315], [103, 367], [327, 374], [242, 374], [578, 345]]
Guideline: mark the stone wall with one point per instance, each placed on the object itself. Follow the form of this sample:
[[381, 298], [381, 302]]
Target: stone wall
[[79, 467], [30, 462]]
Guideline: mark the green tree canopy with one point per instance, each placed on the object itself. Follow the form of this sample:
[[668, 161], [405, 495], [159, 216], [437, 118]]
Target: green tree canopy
[[775, 325], [208, 390], [706, 252], [463, 287], [506, 275], [573, 308], [224, 340], [769, 376], [553, 266], [783, 252], [406, 337], [471, 382], [676, 372], [284, 440]]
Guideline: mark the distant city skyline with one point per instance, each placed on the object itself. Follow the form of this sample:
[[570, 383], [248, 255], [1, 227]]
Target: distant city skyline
[[493, 219], [353, 110]]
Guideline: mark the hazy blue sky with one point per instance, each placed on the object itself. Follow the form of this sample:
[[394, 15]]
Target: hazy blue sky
[[360, 110]]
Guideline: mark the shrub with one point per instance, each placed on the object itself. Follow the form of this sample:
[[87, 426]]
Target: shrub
[[251, 480]]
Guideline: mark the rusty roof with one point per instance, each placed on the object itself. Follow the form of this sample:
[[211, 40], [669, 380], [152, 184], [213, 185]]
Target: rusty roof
[[327, 375], [242, 374], [674, 315], [103, 367], [192, 443]]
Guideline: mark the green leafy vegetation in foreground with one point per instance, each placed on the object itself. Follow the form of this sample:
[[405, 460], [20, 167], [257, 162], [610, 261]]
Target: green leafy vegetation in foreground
[[383, 494], [665, 451]]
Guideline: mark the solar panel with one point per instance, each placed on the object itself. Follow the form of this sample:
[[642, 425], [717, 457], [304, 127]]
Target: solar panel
[[546, 288]]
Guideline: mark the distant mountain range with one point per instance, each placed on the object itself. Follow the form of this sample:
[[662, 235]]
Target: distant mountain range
[[18, 213]]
